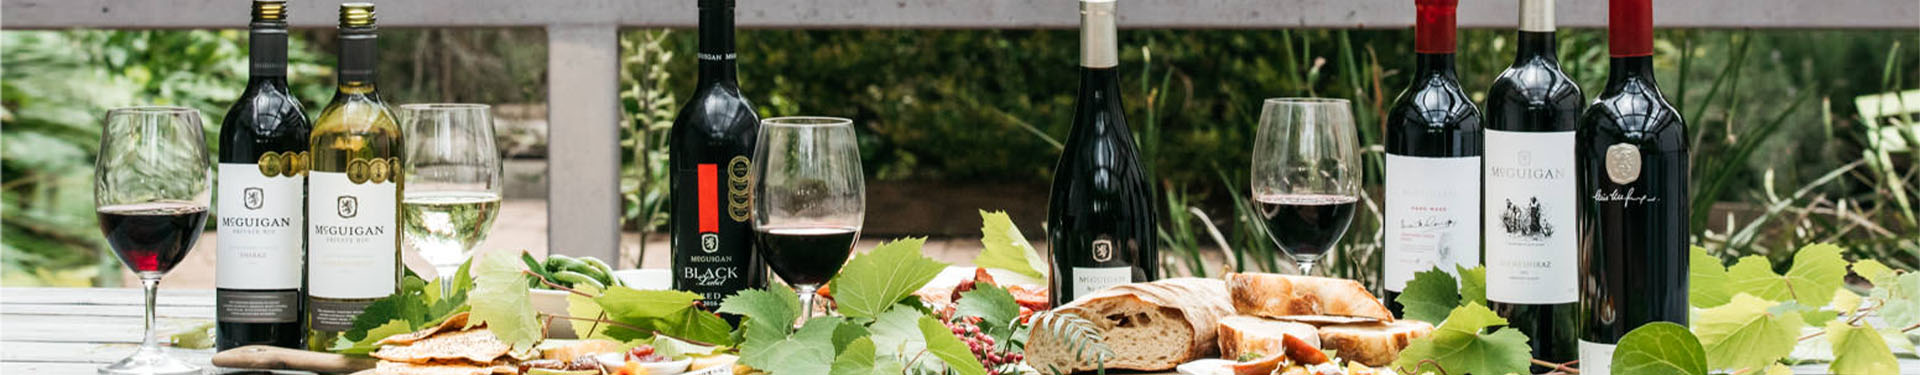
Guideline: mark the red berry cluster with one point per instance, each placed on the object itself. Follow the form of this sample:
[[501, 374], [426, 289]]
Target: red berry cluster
[[998, 360]]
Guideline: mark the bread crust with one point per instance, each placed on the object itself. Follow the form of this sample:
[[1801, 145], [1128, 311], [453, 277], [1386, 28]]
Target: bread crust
[[1280, 296], [1373, 344], [1197, 303], [1244, 334]]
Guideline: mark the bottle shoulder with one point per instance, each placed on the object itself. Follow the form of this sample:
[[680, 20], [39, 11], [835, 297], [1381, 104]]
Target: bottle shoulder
[[1534, 96], [266, 109], [1634, 111], [355, 113], [1435, 102]]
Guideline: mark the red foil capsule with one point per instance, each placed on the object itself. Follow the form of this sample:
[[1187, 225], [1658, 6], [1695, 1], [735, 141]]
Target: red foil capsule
[[1630, 28], [1433, 26]]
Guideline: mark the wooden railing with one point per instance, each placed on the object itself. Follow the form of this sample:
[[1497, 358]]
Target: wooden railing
[[583, 51]]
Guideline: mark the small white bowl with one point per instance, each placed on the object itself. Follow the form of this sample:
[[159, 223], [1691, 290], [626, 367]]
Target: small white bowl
[[646, 279], [553, 302]]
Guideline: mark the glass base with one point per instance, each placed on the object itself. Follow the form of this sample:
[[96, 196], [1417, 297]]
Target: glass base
[[150, 361]]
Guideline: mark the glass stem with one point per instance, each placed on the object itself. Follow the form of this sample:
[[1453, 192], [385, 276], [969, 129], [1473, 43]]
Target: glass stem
[[806, 300], [1306, 268], [152, 340]]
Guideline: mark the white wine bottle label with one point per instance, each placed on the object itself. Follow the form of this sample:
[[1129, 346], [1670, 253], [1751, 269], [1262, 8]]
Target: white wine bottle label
[[1432, 216], [352, 242], [1087, 280], [1595, 358], [260, 228], [1532, 256]]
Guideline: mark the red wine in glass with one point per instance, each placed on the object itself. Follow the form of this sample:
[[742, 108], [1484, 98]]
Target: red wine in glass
[[152, 236], [804, 254], [1306, 225]]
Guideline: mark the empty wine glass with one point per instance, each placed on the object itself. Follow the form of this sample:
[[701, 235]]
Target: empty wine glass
[[452, 171], [809, 199], [150, 187], [1306, 175]]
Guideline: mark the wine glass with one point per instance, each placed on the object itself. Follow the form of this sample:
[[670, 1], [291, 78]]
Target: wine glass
[[452, 172], [809, 199], [1306, 175], [150, 190]]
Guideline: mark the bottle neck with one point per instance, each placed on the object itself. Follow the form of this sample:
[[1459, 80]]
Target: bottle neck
[[716, 45], [358, 54], [1625, 68], [1099, 40], [1536, 45], [1430, 64], [267, 52]]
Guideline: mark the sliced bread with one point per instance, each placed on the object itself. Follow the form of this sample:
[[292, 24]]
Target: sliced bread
[[1150, 326], [1243, 336], [1274, 296], [1372, 344]]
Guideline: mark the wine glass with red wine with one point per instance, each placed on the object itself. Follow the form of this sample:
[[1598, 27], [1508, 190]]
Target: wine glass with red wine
[[1306, 175], [809, 199], [151, 185]]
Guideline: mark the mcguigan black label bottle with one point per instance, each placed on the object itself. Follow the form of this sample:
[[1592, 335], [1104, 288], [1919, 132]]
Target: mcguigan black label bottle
[[262, 198], [1432, 216], [1100, 222], [1530, 206], [711, 151], [354, 188], [1632, 171]]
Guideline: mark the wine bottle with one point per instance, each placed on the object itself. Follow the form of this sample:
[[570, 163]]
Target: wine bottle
[[353, 201], [1432, 217], [1099, 212], [711, 226], [262, 197], [1632, 172], [1531, 248]]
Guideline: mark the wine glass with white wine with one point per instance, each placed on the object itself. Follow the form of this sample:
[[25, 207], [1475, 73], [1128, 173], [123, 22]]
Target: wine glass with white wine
[[452, 171]]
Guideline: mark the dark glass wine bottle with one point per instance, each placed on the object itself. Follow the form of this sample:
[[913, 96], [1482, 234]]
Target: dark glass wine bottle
[[711, 226], [1531, 236], [262, 198], [353, 190], [1632, 172], [1433, 162], [1100, 214]]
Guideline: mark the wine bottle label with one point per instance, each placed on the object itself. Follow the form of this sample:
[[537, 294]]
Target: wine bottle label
[[1595, 358], [1087, 280], [250, 306], [352, 242], [335, 316], [1532, 254], [261, 225], [1432, 216], [716, 261]]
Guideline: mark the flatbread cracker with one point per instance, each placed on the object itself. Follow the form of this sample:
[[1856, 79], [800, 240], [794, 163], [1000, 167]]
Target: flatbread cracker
[[476, 345], [402, 368]]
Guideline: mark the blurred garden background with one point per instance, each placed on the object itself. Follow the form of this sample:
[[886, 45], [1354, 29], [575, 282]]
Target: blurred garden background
[[953, 121]]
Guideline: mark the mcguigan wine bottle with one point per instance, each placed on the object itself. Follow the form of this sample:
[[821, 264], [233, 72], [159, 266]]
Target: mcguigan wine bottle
[[711, 226], [1532, 254], [1632, 173], [1100, 214], [262, 198], [353, 200], [1433, 162]]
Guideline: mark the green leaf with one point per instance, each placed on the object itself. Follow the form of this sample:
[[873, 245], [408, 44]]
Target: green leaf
[[675, 348], [856, 359], [1459, 346], [1778, 369], [1707, 280], [1473, 284], [583, 307], [501, 301], [1004, 248], [1859, 350], [368, 345], [1899, 299], [896, 333], [1744, 334], [871, 283], [808, 352], [1817, 271], [1429, 296], [1659, 348], [943, 344], [1872, 270], [769, 313], [996, 308]]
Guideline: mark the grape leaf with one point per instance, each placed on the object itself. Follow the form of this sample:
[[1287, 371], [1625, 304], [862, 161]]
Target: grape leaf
[[675, 348], [1706, 280], [943, 344], [1844, 301], [846, 334], [1659, 348], [871, 283], [996, 308], [1004, 247], [1778, 369], [1859, 350], [502, 302], [1817, 271], [769, 313], [896, 333], [371, 343], [1872, 270], [1744, 334], [1459, 346], [1473, 284], [1429, 296], [668, 312], [1899, 299], [808, 352], [856, 359], [580, 306]]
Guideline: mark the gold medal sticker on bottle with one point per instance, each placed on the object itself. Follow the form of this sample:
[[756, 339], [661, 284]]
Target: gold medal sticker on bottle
[[1623, 163], [296, 164], [357, 171], [378, 171], [739, 199], [270, 164]]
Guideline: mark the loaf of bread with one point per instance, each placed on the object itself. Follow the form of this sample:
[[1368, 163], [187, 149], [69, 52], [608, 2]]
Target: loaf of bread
[[1372, 344], [1244, 336], [1276, 296], [1150, 326]]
